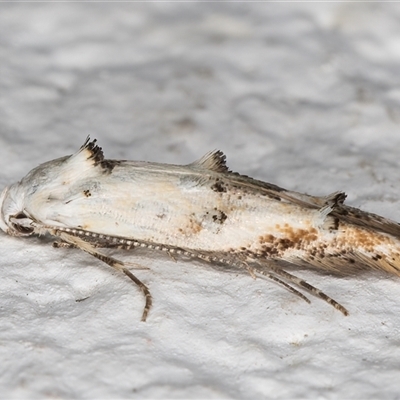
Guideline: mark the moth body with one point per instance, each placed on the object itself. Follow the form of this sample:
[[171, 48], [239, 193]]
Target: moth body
[[202, 210]]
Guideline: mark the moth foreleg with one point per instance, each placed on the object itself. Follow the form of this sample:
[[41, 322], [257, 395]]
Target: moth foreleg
[[144, 289], [75, 241]]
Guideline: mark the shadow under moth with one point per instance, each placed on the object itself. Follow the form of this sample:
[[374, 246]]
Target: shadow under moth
[[201, 210]]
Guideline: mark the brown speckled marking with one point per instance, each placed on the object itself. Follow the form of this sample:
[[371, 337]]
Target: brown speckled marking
[[272, 246], [218, 186], [193, 226], [219, 217], [368, 242], [346, 251], [358, 237]]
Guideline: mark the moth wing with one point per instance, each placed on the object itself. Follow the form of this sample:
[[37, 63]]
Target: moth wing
[[335, 201], [347, 214], [365, 219], [273, 191]]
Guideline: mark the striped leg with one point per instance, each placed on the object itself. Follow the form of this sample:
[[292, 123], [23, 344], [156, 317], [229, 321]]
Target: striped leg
[[112, 262], [303, 284]]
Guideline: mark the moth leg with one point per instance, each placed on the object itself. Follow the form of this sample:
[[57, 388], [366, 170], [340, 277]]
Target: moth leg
[[172, 257], [145, 291], [252, 271], [274, 278], [112, 262], [118, 265], [135, 265], [63, 245], [303, 284]]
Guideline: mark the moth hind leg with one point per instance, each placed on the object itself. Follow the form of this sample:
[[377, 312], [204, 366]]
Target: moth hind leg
[[277, 280], [302, 284]]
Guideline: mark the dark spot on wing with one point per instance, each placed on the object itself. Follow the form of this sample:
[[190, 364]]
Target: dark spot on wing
[[219, 217], [218, 186], [109, 165]]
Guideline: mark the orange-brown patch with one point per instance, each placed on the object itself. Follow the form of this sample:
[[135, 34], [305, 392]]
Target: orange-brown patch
[[267, 239], [291, 238], [300, 235], [358, 237], [193, 227]]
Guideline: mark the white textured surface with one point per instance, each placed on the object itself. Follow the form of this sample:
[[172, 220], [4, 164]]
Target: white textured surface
[[306, 96]]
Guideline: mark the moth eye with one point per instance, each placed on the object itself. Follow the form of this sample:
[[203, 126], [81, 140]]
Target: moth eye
[[26, 230], [20, 215]]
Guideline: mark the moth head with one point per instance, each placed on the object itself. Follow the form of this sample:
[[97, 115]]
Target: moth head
[[13, 219]]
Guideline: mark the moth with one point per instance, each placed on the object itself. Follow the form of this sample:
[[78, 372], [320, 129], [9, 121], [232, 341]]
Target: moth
[[201, 210]]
